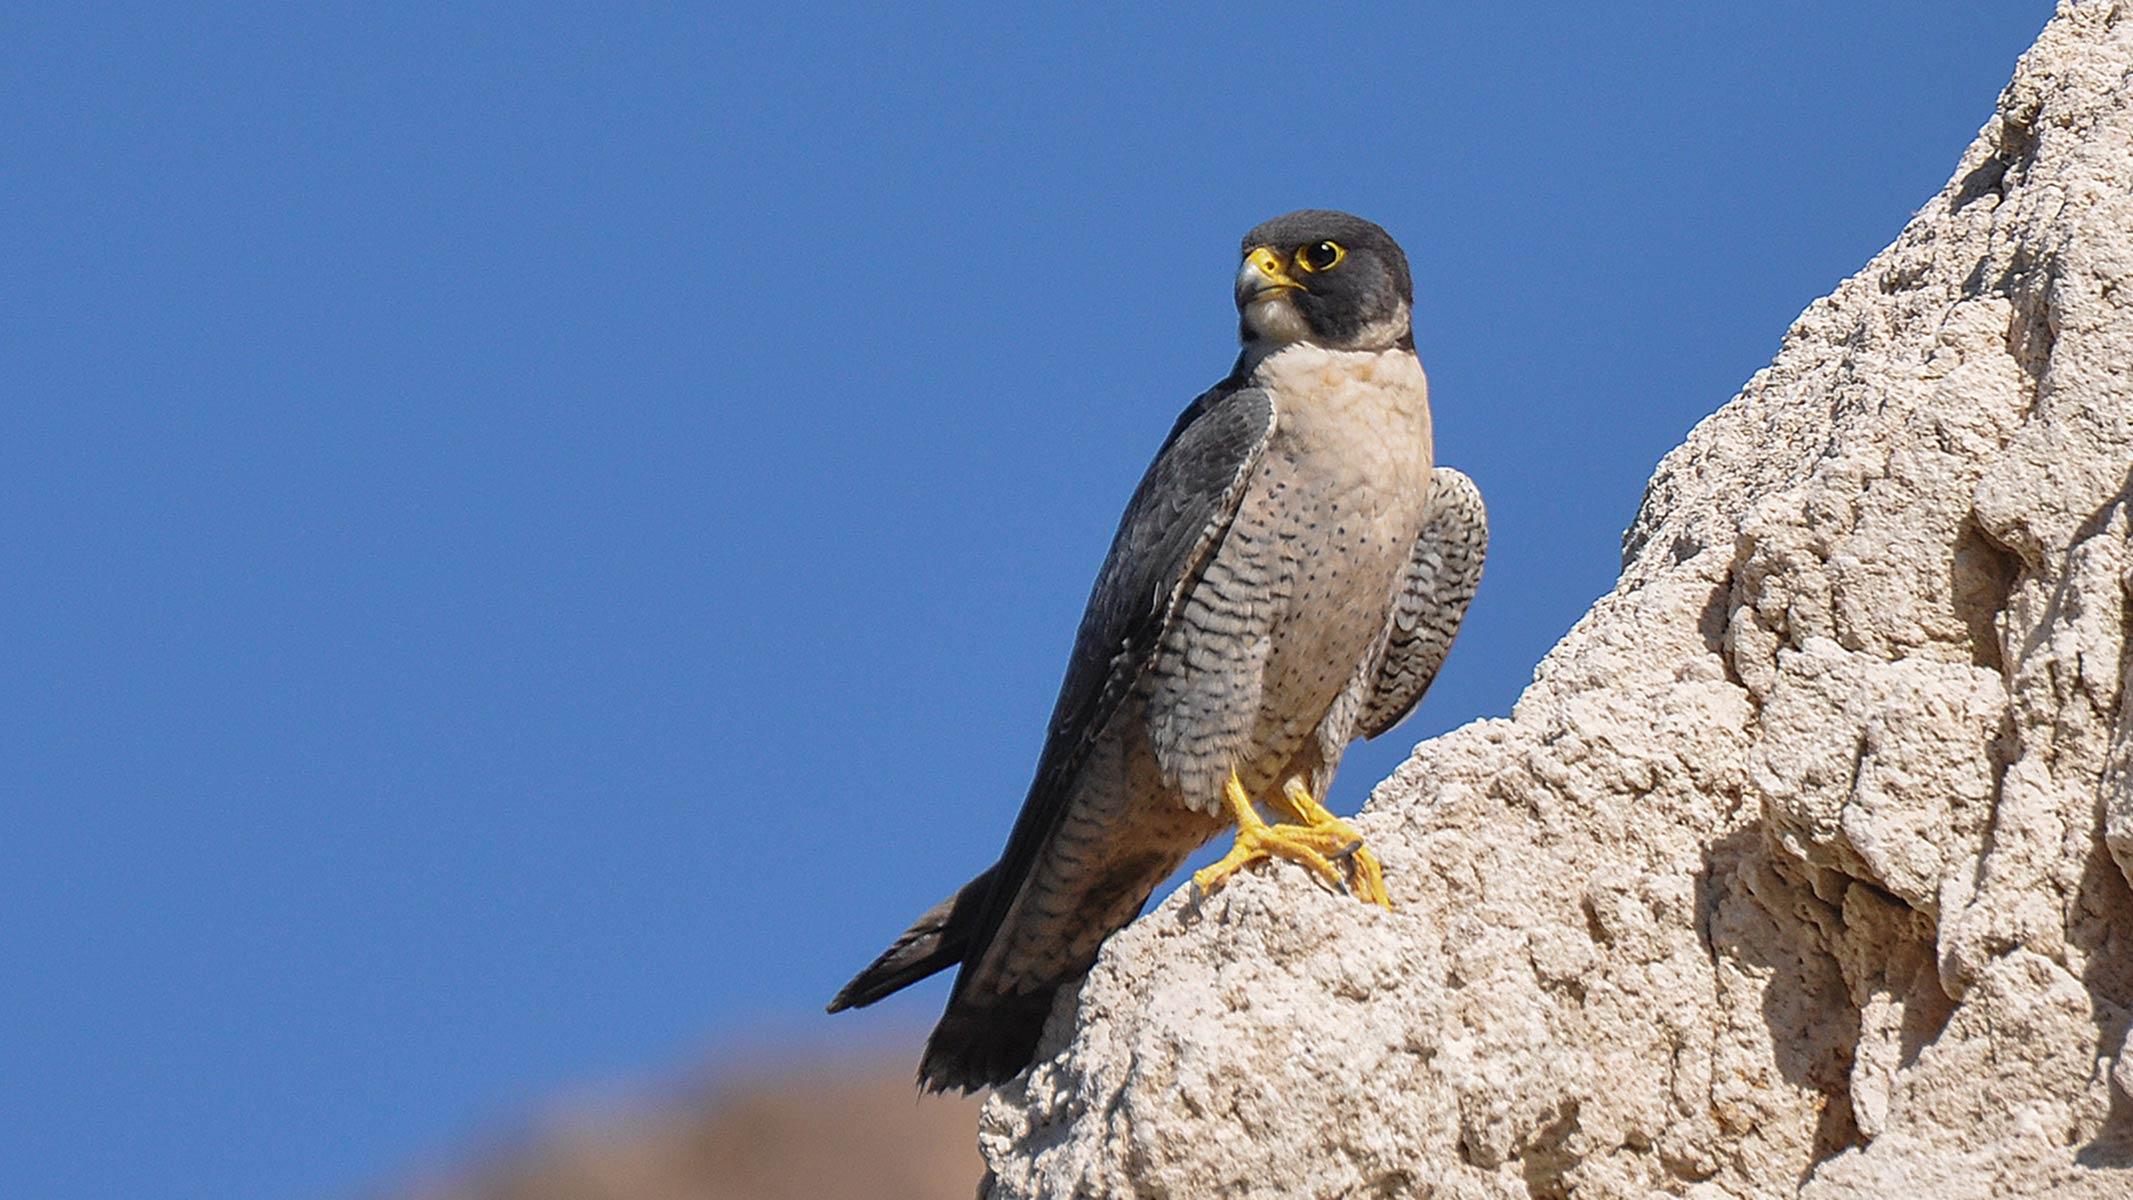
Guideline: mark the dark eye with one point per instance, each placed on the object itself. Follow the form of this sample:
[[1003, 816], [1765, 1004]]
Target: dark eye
[[1323, 256]]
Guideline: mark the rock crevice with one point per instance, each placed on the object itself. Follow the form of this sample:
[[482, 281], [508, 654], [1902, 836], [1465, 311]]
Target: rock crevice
[[1802, 865]]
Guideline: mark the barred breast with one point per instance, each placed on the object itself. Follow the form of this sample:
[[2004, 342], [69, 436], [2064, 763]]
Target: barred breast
[[1296, 596]]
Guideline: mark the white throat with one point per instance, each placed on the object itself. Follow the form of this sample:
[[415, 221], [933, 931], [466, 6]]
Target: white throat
[[1272, 325]]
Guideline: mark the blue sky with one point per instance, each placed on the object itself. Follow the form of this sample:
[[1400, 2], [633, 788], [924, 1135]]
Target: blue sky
[[537, 539]]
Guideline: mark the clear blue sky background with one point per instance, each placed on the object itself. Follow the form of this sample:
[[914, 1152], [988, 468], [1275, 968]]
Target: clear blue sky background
[[535, 540]]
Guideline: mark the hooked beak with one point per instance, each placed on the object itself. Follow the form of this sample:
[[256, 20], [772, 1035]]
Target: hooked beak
[[1262, 277]]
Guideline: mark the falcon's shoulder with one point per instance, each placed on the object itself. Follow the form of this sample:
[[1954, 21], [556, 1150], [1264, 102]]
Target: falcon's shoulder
[[1179, 512], [1439, 583], [1183, 505]]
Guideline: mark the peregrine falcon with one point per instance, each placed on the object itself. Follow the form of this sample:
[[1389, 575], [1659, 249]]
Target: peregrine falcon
[[1287, 577]]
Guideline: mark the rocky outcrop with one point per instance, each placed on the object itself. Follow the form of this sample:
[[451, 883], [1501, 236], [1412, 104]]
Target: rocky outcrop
[[1802, 866]]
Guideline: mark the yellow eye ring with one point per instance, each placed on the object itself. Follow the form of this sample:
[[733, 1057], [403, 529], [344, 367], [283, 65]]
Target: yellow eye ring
[[1319, 256]]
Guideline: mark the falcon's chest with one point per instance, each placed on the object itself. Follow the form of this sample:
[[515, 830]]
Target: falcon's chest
[[1352, 429]]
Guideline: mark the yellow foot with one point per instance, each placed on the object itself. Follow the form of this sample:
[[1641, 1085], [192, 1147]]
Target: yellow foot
[[1318, 842], [1366, 878]]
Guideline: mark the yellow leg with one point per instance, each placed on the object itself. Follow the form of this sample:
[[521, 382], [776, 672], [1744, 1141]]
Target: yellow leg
[[1316, 843]]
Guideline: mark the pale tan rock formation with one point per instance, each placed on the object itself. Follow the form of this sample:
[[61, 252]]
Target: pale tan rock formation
[[1802, 866]]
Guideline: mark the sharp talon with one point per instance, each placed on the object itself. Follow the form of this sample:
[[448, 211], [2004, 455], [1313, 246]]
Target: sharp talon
[[1322, 843], [1365, 878]]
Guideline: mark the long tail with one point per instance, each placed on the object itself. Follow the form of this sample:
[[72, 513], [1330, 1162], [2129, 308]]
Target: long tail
[[981, 1039], [990, 1033], [984, 1040], [936, 941]]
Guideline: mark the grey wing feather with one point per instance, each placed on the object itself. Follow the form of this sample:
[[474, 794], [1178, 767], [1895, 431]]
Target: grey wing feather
[[1177, 516], [1441, 578]]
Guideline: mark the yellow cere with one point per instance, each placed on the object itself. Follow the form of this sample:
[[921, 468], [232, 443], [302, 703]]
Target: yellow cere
[[1271, 266]]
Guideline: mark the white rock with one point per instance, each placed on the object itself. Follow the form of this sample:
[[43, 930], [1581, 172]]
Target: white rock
[[1802, 867]]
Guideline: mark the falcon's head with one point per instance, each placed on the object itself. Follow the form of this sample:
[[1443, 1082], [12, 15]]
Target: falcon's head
[[1326, 278]]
